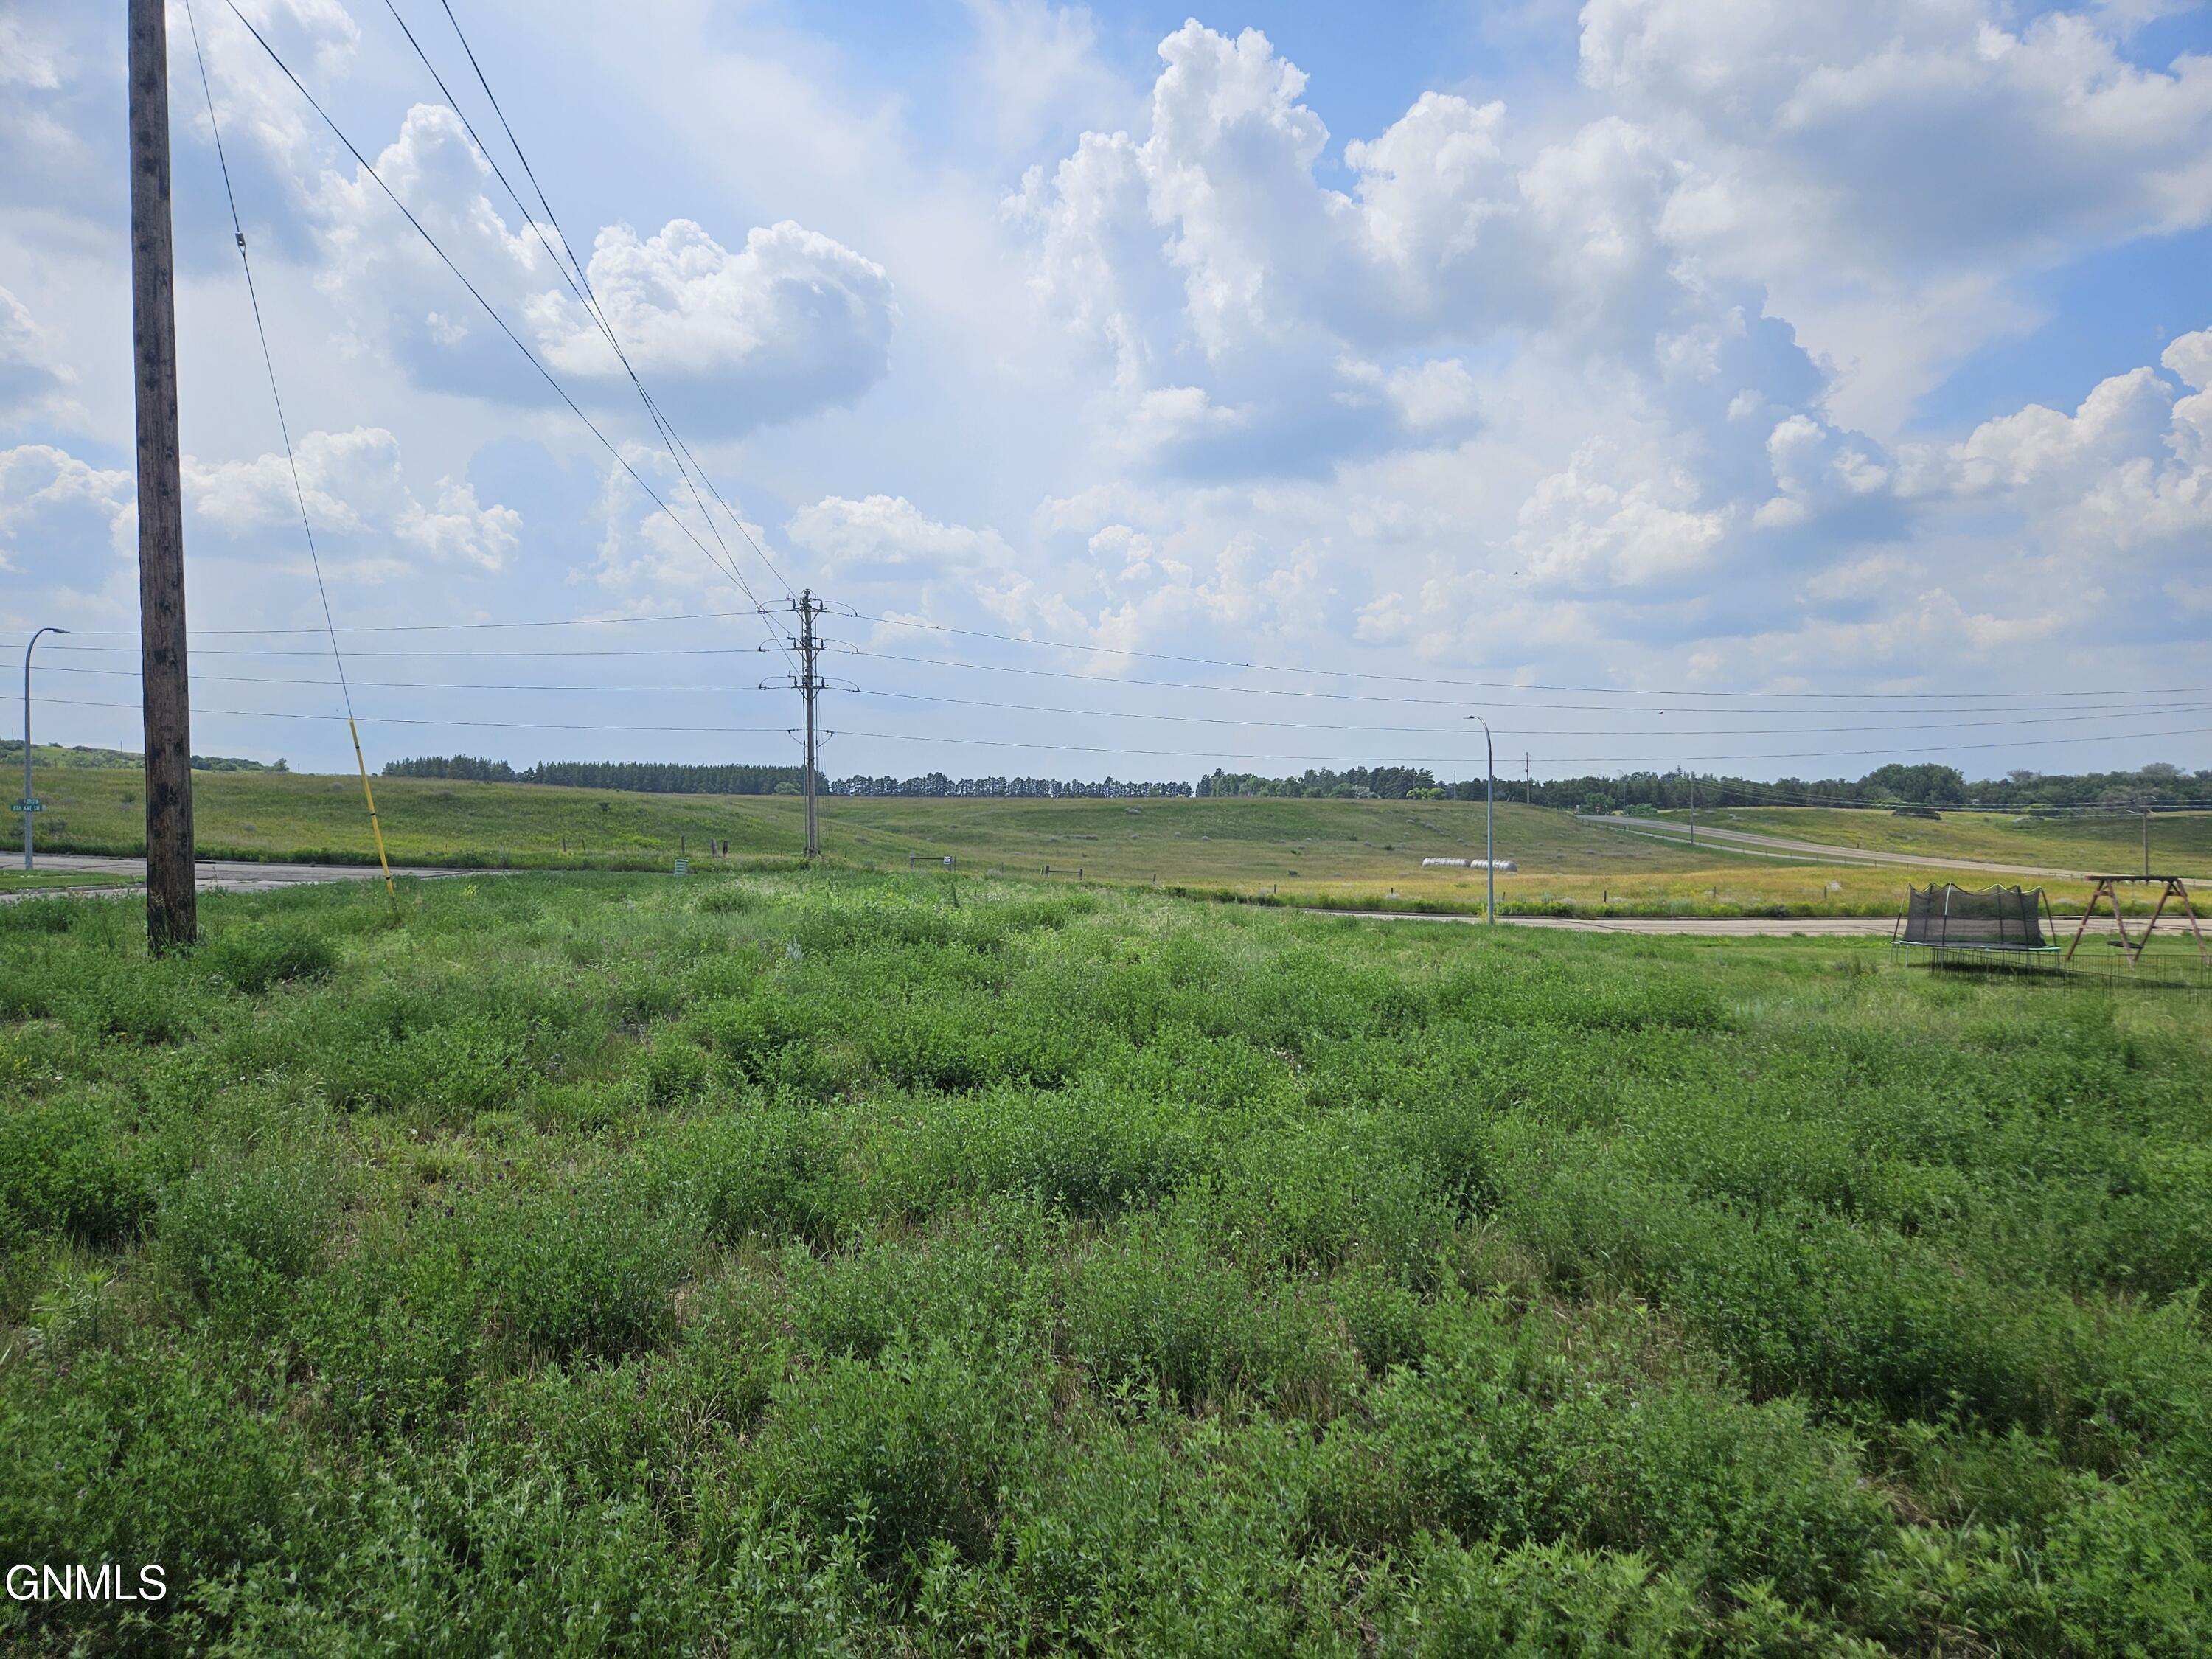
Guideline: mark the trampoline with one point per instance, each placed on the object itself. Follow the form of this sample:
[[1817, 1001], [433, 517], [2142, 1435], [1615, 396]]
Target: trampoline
[[1994, 923]]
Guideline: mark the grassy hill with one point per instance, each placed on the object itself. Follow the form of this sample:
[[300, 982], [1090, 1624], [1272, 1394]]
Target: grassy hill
[[1328, 852], [43, 754], [1344, 852], [430, 821], [2180, 842]]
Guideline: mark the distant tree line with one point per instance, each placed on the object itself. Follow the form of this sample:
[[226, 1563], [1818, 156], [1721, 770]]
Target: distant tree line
[[1922, 785], [642, 777], [1356, 783], [936, 783]]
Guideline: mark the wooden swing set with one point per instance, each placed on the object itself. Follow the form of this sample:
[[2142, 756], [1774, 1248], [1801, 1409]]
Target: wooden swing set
[[2170, 887]]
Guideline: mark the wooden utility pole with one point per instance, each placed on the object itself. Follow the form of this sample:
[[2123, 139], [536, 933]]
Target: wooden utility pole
[[172, 917]]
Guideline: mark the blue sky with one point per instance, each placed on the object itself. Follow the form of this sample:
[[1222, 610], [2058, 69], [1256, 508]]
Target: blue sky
[[1839, 373]]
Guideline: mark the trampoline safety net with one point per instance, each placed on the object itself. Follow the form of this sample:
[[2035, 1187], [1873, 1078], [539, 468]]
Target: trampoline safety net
[[1994, 919]]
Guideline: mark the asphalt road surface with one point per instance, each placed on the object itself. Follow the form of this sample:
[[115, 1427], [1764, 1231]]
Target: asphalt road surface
[[1700, 926], [236, 876], [1828, 852]]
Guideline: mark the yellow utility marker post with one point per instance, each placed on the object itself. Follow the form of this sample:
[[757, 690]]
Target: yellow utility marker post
[[375, 829]]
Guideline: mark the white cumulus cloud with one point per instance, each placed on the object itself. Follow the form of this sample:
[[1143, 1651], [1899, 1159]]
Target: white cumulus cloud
[[356, 490], [885, 535], [790, 323], [32, 374]]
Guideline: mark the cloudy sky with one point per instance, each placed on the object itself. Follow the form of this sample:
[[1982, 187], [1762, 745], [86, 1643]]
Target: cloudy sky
[[1773, 388]]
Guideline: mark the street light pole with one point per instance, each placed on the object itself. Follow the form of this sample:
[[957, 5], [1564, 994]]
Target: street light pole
[[1489, 821], [30, 811]]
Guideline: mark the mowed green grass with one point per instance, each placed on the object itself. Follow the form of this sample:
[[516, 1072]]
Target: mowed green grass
[[838, 1263], [2181, 843]]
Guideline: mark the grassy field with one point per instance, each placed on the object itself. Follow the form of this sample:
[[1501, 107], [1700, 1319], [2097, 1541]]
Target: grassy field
[[2180, 842], [1319, 851], [839, 1263]]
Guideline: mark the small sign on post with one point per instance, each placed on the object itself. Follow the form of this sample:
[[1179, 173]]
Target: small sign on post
[[26, 807]]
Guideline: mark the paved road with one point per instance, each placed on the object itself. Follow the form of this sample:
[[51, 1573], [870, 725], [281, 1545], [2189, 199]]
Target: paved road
[[1656, 829], [236, 876], [1696, 927], [1699, 926]]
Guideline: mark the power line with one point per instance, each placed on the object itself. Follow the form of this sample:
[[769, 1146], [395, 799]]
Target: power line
[[1371, 696], [388, 720], [471, 655], [1494, 685], [432, 685], [431, 628], [284, 426], [727, 570], [2064, 711], [1116, 679], [2118, 711], [1193, 719], [1931, 697], [1442, 760], [583, 275], [474, 654], [1586, 732], [909, 738], [584, 295]]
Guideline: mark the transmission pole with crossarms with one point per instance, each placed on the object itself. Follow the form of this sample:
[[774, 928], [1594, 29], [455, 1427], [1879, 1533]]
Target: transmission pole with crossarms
[[807, 678], [810, 645]]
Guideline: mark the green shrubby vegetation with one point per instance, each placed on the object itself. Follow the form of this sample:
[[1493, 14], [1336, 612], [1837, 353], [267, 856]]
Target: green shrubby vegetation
[[838, 1263]]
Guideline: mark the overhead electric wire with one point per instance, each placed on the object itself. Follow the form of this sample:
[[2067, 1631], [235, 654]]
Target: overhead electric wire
[[729, 571], [1116, 679], [583, 275], [1441, 760], [284, 426], [474, 655], [389, 720], [1533, 732], [1370, 696], [437, 685], [1218, 756], [584, 296], [1498, 685], [1188, 720], [430, 628]]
